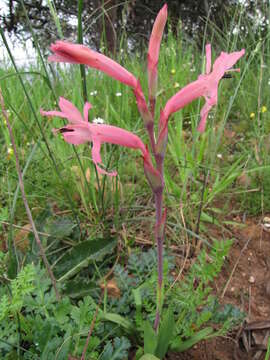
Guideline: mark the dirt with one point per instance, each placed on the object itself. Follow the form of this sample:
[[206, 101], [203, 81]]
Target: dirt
[[244, 282]]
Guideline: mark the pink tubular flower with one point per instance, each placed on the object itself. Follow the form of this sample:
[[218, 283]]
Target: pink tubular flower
[[153, 50], [80, 54], [206, 85], [79, 131]]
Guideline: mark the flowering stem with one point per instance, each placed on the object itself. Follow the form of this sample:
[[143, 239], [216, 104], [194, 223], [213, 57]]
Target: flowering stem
[[152, 103], [159, 235]]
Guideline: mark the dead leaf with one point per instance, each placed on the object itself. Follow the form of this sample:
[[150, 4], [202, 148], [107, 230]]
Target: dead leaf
[[112, 288]]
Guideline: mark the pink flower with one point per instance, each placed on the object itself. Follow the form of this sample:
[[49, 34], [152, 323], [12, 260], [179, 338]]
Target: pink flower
[[206, 85], [80, 54], [80, 131], [153, 50]]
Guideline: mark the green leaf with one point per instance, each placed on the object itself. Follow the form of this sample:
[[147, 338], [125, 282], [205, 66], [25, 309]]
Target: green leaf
[[179, 345], [150, 339], [79, 288], [80, 256], [119, 320], [165, 334], [61, 227], [149, 357], [116, 351]]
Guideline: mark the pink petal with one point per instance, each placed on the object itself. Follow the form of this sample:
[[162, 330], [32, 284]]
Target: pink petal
[[70, 111], [96, 151], [75, 53], [87, 107], [97, 158], [115, 135], [186, 95], [224, 62], [52, 113], [61, 58], [154, 47], [76, 134], [204, 113]]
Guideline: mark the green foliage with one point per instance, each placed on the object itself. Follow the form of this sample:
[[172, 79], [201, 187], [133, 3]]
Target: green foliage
[[48, 329], [18, 288], [195, 310], [116, 350]]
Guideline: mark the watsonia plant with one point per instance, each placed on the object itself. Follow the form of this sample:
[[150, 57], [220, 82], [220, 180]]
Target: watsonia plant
[[80, 130]]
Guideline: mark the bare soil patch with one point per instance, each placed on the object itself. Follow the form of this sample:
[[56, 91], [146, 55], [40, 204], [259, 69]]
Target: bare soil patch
[[245, 283]]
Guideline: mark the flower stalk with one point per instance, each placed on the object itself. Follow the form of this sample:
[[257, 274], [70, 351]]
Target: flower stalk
[[79, 131]]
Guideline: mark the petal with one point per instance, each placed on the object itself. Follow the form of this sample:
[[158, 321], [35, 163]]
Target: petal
[[87, 107], [186, 95], [115, 135], [154, 47], [76, 134], [61, 58], [71, 112], [53, 113], [224, 62], [204, 113], [96, 151], [97, 158], [80, 54]]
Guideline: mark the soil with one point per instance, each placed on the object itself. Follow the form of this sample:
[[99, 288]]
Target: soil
[[244, 282]]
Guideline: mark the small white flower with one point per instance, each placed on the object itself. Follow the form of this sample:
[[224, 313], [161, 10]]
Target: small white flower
[[235, 30], [93, 93], [98, 120], [118, 94], [219, 156]]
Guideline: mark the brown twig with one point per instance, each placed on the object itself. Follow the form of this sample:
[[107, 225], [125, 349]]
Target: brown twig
[[91, 328], [27, 208]]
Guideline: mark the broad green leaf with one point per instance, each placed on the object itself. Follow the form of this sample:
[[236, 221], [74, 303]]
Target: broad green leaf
[[179, 345], [165, 334], [80, 256], [150, 339], [61, 227], [78, 288], [119, 320]]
